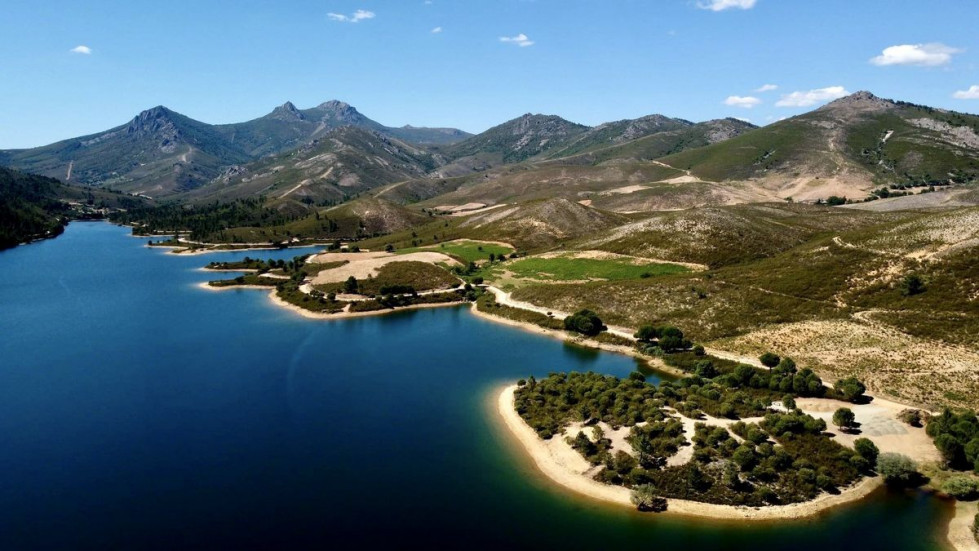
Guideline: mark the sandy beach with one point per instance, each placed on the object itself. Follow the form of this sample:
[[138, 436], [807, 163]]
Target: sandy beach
[[186, 250], [204, 285], [960, 528], [560, 463]]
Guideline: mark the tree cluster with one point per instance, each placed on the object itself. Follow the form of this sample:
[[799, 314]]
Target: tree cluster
[[956, 436]]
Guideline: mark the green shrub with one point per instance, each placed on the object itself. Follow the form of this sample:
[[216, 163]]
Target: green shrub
[[911, 285], [897, 469], [961, 487], [645, 499]]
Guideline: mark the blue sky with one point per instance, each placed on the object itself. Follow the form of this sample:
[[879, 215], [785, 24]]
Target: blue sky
[[589, 61]]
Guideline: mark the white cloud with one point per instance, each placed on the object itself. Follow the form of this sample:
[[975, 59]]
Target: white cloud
[[747, 102], [971, 93], [812, 97], [766, 88], [721, 5], [520, 40], [81, 50], [436, 30], [921, 55], [355, 17]]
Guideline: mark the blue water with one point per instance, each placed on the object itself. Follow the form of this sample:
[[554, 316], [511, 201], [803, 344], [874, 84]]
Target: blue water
[[138, 411]]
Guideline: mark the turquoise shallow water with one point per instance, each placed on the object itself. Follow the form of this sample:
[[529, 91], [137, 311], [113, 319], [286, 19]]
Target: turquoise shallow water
[[138, 411]]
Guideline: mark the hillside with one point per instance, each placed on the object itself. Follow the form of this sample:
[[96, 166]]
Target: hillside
[[617, 132], [541, 224], [826, 286], [668, 141], [30, 208], [721, 236], [36, 207], [339, 164], [511, 142], [427, 136], [158, 152], [623, 177], [848, 148]]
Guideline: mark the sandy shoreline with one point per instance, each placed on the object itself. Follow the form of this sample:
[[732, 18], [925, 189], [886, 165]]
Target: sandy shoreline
[[960, 527], [349, 315], [182, 250], [274, 299], [555, 466]]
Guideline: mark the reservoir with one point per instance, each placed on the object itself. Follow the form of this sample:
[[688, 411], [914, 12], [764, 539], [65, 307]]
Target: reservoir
[[138, 411]]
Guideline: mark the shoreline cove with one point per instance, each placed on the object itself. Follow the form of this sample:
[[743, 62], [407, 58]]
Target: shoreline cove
[[554, 469]]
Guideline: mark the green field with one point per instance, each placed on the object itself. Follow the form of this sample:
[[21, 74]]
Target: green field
[[467, 251], [576, 269]]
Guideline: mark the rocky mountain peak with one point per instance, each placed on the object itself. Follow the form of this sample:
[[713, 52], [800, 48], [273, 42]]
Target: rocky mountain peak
[[287, 111], [152, 121], [335, 106], [862, 101], [337, 112]]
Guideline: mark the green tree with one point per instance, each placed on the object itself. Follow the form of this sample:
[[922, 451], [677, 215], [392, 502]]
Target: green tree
[[845, 419], [585, 322], [670, 343], [850, 389], [785, 367], [732, 478], [705, 369], [867, 450], [744, 457], [743, 374], [350, 286], [647, 333], [769, 360], [953, 452], [788, 401]]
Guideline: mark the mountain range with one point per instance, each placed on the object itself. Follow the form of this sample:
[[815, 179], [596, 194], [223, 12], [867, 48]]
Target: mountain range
[[161, 152], [853, 147]]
